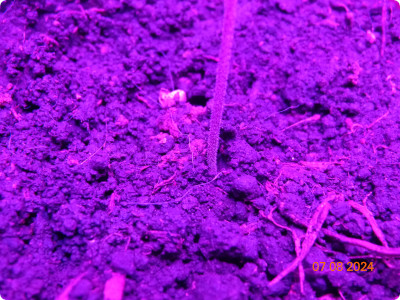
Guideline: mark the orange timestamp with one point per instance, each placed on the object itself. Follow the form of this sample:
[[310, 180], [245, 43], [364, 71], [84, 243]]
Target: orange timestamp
[[339, 266]]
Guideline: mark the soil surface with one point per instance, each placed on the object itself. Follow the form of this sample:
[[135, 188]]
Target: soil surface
[[104, 189]]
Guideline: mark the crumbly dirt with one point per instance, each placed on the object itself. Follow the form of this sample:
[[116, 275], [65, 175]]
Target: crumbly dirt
[[106, 194]]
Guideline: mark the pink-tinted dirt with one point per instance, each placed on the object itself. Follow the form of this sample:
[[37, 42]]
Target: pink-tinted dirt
[[105, 194]]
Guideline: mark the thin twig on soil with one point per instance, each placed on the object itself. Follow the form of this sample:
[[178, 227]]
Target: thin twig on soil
[[101, 147], [377, 120], [310, 119], [297, 244], [159, 185], [319, 164], [16, 115], [313, 229], [374, 225], [379, 250], [180, 198], [315, 226], [281, 111], [144, 100]]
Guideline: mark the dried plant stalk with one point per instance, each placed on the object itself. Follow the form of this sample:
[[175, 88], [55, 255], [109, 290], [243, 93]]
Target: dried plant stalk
[[225, 54]]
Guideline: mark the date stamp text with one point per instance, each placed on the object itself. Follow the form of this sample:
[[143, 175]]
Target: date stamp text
[[339, 266]]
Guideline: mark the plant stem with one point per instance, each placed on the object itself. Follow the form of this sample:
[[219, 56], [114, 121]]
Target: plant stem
[[384, 12], [225, 54]]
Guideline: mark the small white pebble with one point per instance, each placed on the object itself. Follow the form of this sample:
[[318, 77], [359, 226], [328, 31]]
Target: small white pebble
[[371, 37], [168, 99]]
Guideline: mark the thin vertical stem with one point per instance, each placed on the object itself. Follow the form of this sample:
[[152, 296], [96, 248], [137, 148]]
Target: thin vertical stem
[[225, 54], [384, 13]]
